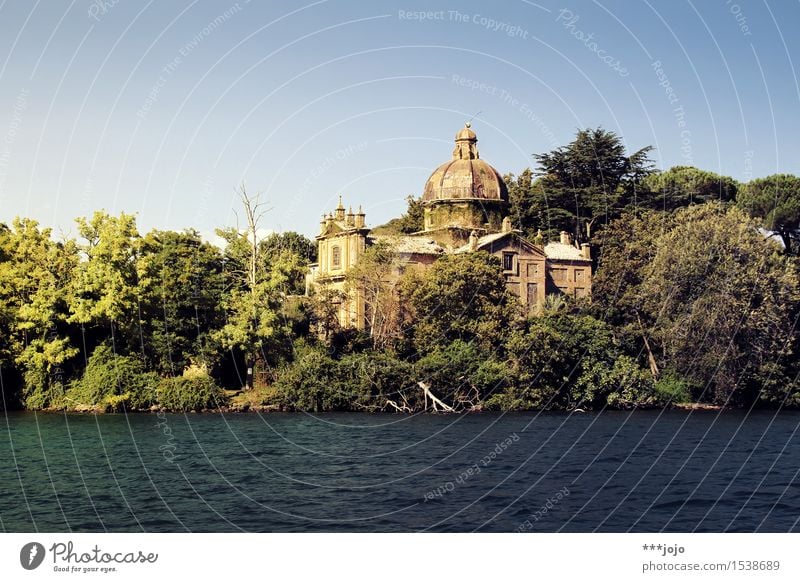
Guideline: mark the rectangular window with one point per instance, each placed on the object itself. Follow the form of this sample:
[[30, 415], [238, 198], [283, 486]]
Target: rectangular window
[[533, 270], [508, 261], [533, 294], [579, 276], [559, 274], [336, 257], [580, 292]]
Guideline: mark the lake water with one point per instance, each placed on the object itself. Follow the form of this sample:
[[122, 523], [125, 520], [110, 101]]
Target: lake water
[[615, 471]]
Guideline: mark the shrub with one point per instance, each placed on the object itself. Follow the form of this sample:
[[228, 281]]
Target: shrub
[[374, 378], [462, 372], [113, 382], [623, 385], [195, 390], [563, 360], [311, 383], [47, 395], [672, 389]]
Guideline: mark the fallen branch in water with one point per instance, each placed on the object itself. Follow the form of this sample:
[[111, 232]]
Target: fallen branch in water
[[404, 408], [428, 394]]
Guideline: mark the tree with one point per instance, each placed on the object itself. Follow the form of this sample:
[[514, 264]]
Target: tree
[[587, 182], [325, 301], [776, 201], [34, 275], [104, 290], [413, 220], [256, 291], [375, 277], [298, 244], [564, 361], [6, 307], [277, 245], [180, 296], [460, 297], [628, 245], [533, 207], [709, 298], [684, 185]]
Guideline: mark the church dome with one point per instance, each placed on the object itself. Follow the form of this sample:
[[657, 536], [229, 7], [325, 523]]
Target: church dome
[[466, 176]]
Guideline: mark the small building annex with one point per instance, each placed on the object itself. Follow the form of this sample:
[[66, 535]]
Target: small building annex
[[466, 207]]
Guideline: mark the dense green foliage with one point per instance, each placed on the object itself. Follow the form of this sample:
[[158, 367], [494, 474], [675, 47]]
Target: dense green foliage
[[34, 279], [694, 301], [460, 297], [568, 361], [683, 186], [180, 301], [195, 390], [708, 298], [112, 382], [581, 186], [776, 201], [114, 320]]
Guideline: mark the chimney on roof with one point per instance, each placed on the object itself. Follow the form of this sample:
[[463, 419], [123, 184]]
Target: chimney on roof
[[586, 251], [506, 224], [565, 237]]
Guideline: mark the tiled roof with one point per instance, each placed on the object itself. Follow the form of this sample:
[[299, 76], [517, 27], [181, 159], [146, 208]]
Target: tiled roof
[[560, 251], [410, 244]]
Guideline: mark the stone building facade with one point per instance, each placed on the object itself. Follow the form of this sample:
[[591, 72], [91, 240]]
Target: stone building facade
[[465, 203]]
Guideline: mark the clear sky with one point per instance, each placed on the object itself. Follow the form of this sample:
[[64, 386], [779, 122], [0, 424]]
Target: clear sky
[[162, 108]]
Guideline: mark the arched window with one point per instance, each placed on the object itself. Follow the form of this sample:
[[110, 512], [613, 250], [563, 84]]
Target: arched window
[[336, 257]]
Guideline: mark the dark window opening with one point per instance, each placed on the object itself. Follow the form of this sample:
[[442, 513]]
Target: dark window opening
[[508, 261]]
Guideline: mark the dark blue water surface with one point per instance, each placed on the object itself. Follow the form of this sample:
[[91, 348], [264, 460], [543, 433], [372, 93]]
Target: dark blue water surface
[[615, 471]]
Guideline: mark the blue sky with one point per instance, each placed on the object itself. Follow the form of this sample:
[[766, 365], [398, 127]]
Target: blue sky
[[162, 109]]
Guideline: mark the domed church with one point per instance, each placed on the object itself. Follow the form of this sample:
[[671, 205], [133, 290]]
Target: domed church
[[466, 205]]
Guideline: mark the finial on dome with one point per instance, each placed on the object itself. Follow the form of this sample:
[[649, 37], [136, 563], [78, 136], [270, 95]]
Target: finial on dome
[[468, 125], [340, 203]]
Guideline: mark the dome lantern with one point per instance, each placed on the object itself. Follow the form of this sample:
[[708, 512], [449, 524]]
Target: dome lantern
[[466, 144]]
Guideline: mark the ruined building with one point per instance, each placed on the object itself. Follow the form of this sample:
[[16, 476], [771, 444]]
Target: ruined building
[[466, 210]]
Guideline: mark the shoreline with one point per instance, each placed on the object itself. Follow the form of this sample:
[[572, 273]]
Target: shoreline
[[272, 409]]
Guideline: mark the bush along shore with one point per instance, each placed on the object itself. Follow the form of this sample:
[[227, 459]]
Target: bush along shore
[[695, 303]]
